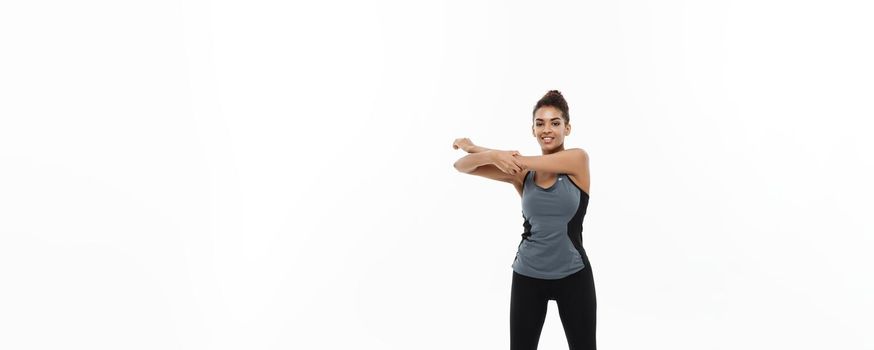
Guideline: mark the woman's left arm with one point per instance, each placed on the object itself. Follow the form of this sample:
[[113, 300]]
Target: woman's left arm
[[570, 161]]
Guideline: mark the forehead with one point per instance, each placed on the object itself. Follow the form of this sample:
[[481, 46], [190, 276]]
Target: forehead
[[547, 113]]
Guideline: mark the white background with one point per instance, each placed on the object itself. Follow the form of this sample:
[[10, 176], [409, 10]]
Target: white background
[[275, 175]]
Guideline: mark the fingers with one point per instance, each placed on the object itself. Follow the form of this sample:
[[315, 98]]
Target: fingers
[[502, 168], [519, 164], [509, 165], [507, 168], [517, 161], [512, 168], [460, 141]]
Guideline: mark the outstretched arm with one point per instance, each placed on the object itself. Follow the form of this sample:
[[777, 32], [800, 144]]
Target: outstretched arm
[[570, 161], [502, 160], [477, 149], [493, 164]]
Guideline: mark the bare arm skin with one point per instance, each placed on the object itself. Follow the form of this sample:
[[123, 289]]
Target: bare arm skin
[[478, 149], [504, 161], [490, 171], [494, 164], [574, 161], [570, 161], [490, 163], [468, 146]]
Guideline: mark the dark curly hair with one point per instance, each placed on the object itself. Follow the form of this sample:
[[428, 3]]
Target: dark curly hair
[[555, 99]]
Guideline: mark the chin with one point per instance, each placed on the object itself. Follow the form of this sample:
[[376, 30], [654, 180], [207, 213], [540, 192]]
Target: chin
[[550, 147]]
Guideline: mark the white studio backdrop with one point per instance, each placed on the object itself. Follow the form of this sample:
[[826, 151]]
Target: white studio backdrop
[[278, 175]]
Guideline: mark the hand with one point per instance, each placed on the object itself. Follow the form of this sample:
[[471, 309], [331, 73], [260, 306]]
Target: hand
[[464, 143], [507, 162]]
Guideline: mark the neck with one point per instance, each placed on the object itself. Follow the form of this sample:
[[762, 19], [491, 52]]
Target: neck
[[557, 149]]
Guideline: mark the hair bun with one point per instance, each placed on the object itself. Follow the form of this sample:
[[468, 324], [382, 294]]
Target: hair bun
[[553, 98]]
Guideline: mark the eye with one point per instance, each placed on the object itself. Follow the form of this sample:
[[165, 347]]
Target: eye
[[556, 123]]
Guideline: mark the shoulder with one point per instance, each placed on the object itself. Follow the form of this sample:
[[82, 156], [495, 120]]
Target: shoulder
[[580, 152], [581, 178], [581, 163], [580, 159]]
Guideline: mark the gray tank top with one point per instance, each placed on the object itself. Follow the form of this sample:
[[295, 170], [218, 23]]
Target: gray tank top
[[552, 244]]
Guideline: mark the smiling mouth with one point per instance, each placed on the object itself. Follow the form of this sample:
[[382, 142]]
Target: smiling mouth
[[548, 139]]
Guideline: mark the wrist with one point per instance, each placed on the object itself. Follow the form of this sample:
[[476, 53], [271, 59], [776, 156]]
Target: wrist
[[477, 149]]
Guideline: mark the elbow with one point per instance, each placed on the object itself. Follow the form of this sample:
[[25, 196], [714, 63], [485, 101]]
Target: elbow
[[458, 167]]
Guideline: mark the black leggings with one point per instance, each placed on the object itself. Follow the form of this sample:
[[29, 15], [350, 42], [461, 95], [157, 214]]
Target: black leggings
[[575, 297]]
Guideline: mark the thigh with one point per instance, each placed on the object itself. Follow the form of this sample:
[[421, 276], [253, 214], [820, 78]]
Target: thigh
[[527, 311], [575, 298]]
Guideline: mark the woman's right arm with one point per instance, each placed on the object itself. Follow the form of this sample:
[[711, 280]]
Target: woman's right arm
[[477, 149], [467, 145]]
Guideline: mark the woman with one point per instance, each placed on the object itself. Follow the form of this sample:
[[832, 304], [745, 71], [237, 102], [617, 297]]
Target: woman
[[550, 262]]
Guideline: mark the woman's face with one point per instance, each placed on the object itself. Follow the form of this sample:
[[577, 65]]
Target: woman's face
[[549, 128]]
